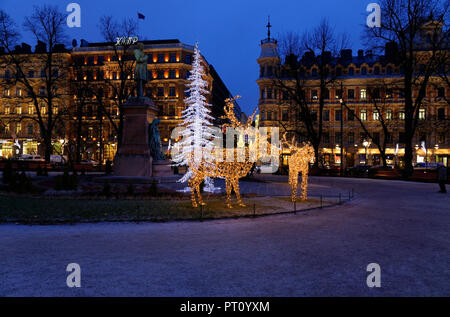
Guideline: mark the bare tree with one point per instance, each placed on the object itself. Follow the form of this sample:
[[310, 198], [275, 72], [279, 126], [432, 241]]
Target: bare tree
[[47, 25], [420, 29], [121, 87], [321, 46]]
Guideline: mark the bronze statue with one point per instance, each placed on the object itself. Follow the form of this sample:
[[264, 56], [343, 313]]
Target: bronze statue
[[155, 141], [140, 70]]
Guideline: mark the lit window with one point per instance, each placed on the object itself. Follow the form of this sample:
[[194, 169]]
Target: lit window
[[172, 91], [30, 109], [18, 128], [389, 114], [7, 110], [401, 115], [422, 114], [376, 115], [363, 94], [55, 110], [19, 110], [29, 128], [363, 115]]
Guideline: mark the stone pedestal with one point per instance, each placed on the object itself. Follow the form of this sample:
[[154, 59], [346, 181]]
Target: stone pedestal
[[162, 169], [133, 156]]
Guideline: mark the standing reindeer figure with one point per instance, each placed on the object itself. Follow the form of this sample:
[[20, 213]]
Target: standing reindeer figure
[[232, 171], [299, 162]]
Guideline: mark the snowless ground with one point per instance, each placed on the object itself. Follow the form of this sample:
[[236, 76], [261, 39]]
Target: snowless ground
[[402, 226]]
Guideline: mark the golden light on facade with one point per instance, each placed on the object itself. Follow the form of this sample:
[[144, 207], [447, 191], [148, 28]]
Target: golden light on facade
[[299, 163]]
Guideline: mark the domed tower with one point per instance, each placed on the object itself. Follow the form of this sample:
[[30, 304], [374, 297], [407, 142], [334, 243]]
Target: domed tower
[[269, 64]]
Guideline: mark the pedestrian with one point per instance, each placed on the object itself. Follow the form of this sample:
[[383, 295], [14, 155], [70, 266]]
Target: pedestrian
[[442, 178]]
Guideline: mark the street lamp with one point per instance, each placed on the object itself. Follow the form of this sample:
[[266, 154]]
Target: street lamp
[[366, 144]]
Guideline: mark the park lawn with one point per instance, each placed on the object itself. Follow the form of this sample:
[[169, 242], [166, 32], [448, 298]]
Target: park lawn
[[48, 210]]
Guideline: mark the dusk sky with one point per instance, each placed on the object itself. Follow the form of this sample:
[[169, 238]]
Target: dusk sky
[[229, 31]]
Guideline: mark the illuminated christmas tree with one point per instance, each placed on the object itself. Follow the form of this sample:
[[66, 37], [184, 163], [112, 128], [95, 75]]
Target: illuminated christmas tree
[[197, 143]]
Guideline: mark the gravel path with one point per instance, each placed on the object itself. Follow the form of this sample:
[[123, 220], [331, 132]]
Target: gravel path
[[402, 226]]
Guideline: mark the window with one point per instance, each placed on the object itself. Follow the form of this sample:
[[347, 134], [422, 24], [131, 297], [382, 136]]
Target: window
[[351, 94], [7, 110], [389, 70], [160, 92], [376, 70], [376, 93], [31, 109], [441, 137], [269, 93], [275, 115], [6, 93], [422, 114], [389, 93], [285, 95], [269, 115], [338, 94], [351, 71], [363, 115], [327, 93], [55, 110], [441, 114], [7, 74], [30, 74], [263, 116], [338, 137], [326, 115], [160, 74], [314, 72], [30, 128], [326, 137], [314, 94], [351, 138], [337, 115], [172, 91], [18, 110], [261, 71], [389, 114], [263, 93], [363, 71], [376, 137], [172, 57], [285, 115], [401, 115], [18, 128], [363, 93], [441, 92], [376, 115], [7, 128], [269, 71], [338, 71], [160, 58], [188, 59], [351, 115], [172, 73], [18, 92]]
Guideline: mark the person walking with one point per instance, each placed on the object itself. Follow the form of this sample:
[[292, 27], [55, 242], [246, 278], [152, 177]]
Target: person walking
[[442, 178]]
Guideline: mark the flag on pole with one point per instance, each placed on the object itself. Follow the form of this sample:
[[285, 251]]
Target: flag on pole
[[141, 16]]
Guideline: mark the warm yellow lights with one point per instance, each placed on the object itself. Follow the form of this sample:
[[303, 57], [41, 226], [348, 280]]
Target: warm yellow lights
[[299, 162], [232, 171]]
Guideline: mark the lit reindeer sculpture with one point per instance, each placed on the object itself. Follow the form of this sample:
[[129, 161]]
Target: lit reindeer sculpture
[[299, 162], [232, 171]]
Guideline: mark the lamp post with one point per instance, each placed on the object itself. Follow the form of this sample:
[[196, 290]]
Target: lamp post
[[366, 144], [342, 130]]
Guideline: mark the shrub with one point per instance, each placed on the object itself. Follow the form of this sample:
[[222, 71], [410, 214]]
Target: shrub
[[66, 181], [8, 172], [106, 190], [108, 167], [153, 191], [130, 190]]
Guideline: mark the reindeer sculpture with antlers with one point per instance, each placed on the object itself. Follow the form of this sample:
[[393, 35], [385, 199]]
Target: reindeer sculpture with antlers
[[232, 171], [298, 162]]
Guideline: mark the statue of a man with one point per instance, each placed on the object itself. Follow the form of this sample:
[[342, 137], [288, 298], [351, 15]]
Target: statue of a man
[[140, 70], [155, 141]]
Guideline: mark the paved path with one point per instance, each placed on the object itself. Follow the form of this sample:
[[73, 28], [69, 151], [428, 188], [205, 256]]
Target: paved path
[[400, 225]]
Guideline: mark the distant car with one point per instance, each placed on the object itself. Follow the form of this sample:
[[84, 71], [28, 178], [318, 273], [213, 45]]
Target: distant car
[[360, 171], [419, 166], [57, 159], [30, 157], [89, 162]]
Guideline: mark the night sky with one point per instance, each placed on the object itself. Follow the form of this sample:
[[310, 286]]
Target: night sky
[[229, 31]]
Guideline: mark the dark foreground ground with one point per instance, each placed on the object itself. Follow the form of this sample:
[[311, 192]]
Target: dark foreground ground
[[402, 226]]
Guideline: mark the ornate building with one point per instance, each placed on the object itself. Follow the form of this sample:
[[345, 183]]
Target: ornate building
[[92, 79], [359, 81]]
